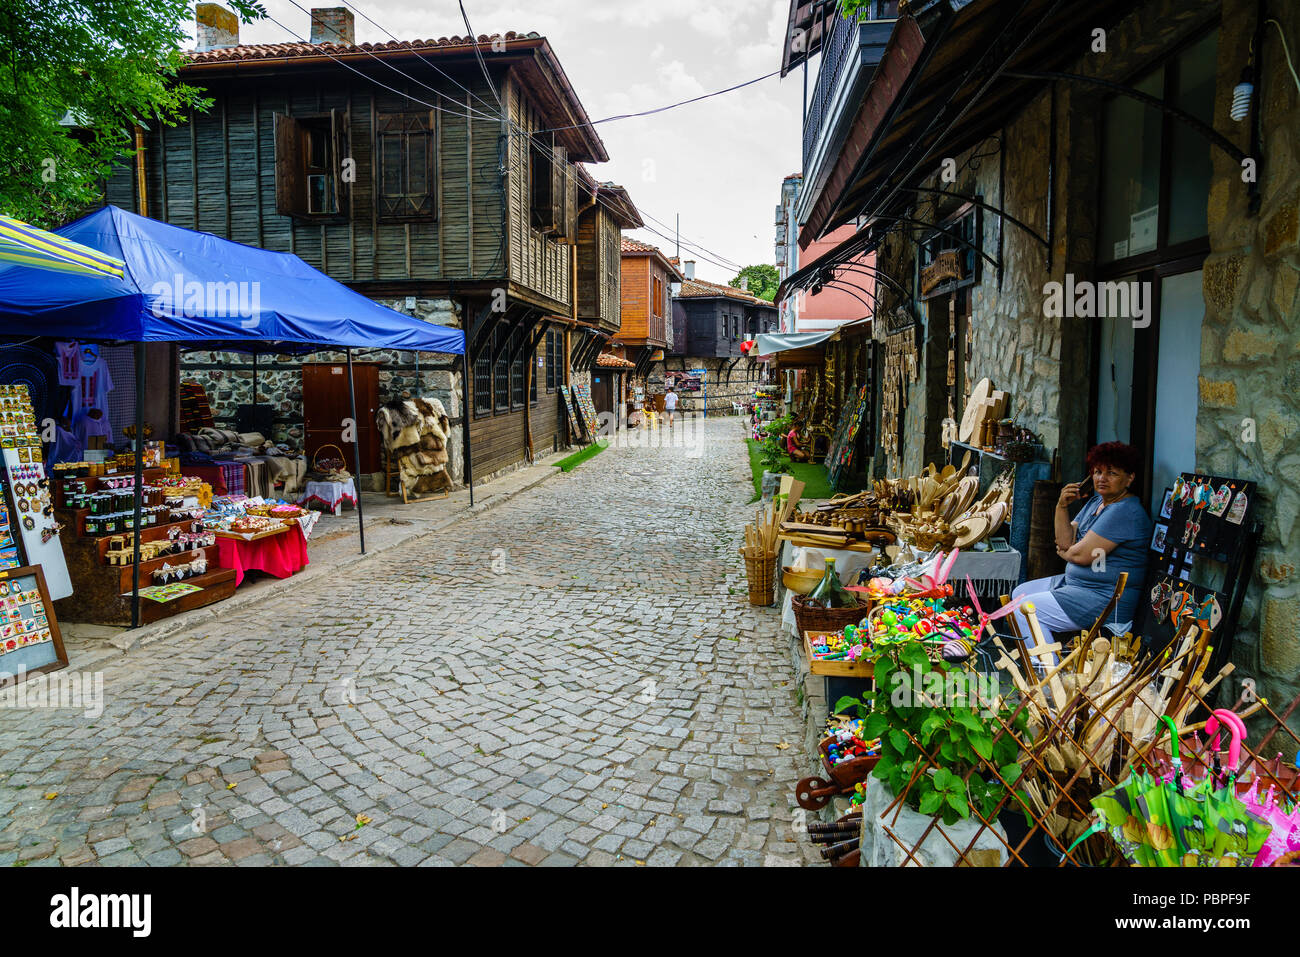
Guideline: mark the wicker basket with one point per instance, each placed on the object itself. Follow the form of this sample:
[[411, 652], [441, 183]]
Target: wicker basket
[[808, 617], [1290, 859], [330, 469], [761, 572]]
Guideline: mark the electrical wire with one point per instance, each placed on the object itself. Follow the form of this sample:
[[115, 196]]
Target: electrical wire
[[478, 54], [401, 73], [364, 76], [409, 47], [670, 106], [1287, 50]]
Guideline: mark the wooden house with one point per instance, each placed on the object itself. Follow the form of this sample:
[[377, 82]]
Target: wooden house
[[648, 277], [437, 169]]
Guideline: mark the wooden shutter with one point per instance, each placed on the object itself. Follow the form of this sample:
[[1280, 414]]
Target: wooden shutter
[[290, 185], [559, 188], [341, 143], [569, 234]]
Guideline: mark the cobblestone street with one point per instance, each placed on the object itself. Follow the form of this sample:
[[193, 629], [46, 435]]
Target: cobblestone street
[[572, 677]]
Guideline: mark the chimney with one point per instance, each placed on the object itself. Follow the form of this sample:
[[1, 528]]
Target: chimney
[[688, 269], [744, 284], [333, 25], [215, 27]]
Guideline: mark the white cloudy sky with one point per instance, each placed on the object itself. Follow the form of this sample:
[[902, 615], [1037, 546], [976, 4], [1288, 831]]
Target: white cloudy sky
[[719, 163]]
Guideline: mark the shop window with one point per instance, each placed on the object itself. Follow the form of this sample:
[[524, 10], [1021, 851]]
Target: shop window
[[516, 369], [501, 373], [532, 379], [482, 385], [406, 173], [309, 151], [1156, 170]]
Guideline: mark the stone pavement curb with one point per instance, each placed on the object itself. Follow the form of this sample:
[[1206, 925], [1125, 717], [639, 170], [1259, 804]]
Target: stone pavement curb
[[130, 640]]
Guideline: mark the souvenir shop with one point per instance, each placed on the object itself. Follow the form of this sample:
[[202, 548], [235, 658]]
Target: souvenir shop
[[122, 503]]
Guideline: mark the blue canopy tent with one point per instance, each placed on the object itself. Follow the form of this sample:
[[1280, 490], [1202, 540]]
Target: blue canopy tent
[[184, 286]]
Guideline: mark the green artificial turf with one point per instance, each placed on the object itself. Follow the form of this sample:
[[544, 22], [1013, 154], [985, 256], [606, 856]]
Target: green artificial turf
[[577, 458], [816, 484]]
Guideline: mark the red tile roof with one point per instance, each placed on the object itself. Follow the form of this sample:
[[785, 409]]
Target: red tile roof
[[700, 289], [635, 246], [607, 360], [264, 51]]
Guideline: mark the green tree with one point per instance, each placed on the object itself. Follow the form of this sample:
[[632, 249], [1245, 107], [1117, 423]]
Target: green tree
[[763, 280], [75, 77]]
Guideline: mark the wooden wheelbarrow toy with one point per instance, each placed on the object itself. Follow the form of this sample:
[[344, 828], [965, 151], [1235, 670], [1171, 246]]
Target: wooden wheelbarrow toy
[[812, 794]]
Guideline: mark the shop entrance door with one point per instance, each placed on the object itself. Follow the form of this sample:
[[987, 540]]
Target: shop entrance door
[[1182, 307], [1146, 382]]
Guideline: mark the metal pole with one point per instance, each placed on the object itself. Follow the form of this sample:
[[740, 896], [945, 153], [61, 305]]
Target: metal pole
[[356, 453], [419, 385], [139, 483], [464, 422], [254, 381]]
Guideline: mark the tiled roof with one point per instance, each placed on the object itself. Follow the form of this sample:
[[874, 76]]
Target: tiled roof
[[701, 289], [267, 51], [607, 360], [635, 246]]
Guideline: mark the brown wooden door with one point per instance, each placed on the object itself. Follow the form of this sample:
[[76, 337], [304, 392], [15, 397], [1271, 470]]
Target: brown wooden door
[[602, 390], [325, 407]]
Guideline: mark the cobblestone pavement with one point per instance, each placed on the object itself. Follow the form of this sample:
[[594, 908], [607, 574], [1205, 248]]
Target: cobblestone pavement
[[573, 677]]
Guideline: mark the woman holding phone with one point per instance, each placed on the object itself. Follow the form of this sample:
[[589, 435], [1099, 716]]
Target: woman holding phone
[[1110, 535]]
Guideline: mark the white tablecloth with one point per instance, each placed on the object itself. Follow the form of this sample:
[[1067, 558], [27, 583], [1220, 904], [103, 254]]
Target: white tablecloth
[[987, 569], [330, 494]]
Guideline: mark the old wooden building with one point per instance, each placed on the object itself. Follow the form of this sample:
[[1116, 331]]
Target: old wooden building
[[412, 171], [648, 278]]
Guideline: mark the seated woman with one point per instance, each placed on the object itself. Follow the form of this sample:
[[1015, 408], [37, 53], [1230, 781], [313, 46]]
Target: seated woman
[[792, 445], [1110, 535]]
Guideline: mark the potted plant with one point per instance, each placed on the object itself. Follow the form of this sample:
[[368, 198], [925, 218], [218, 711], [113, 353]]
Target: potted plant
[[938, 726]]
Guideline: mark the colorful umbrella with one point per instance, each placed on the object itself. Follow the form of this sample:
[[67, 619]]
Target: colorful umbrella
[[28, 246]]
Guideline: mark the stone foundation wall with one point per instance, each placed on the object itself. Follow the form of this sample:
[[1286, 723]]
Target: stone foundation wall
[[227, 377], [719, 391]]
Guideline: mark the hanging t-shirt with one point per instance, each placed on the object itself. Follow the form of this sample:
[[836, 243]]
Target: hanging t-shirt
[[69, 357], [90, 394]]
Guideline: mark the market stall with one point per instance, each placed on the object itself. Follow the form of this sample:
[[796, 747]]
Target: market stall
[[269, 302]]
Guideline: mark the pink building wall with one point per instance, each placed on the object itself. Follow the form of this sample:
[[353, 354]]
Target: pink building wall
[[834, 306]]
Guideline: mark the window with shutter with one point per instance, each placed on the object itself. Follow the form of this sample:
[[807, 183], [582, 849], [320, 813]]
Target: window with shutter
[[311, 180], [559, 189], [406, 174]]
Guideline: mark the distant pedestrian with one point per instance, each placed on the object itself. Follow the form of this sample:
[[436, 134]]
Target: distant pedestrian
[[670, 405]]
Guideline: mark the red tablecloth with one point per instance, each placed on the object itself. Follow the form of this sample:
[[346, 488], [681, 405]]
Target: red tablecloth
[[279, 555]]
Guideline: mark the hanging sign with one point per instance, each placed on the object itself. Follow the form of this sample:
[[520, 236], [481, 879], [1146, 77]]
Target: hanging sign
[[947, 266]]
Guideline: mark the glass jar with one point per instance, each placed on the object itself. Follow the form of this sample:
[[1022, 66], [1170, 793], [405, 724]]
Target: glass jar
[[92, 524]]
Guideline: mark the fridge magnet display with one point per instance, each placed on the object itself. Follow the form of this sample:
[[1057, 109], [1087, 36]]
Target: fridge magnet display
[[30, 641]]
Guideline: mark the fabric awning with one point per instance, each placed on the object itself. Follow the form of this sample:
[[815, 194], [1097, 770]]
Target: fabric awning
[[770, 343], [29, 245], [185, 286]]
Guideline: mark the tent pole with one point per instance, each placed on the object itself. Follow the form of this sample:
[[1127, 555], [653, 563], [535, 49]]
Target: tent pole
[[139, 483], [464, 421], [254, 383], [356, 453], [419, 386]]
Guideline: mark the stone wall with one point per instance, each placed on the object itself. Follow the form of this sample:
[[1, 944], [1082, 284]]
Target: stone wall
[[1249, 419], [719, 391], [228, 379]]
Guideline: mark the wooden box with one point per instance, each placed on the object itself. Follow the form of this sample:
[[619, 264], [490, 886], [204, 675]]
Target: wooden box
[[843, 669]]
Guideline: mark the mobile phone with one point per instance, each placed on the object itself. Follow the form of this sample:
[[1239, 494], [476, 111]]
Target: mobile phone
[[1085, 486]]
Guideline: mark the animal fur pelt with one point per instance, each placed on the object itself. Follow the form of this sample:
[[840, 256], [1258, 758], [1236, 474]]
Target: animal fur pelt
[[414, 433]]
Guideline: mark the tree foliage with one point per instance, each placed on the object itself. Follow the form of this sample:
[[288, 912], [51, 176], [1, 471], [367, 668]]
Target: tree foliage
[[75, 77], [763, 280]]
